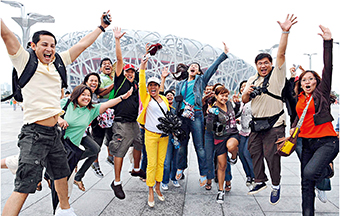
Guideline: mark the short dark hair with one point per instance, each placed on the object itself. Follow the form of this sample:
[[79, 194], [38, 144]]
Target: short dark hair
[[36, 36], [105, 59], [86, 78], [241, 83], [77, 91], [262, 56]]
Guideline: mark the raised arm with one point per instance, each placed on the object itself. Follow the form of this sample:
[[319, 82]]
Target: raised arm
[[86, 41], [285, 26], [326, 82], [212, 69], [142, 80], [118, 35], [11, 42], [164, 74], [113, 102]]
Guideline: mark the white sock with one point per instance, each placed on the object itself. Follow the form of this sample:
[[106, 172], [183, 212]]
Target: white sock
[[117, 183], [136, 169], [276, 187]]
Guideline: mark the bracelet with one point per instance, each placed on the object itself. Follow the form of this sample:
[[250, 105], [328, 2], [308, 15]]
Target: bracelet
[[285, 32], [121, 98], [101, 28]]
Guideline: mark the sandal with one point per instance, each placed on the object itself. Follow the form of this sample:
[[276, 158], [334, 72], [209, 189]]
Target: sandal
[[208, 186], [48, 182], [80, 185], [331, 164], [203, 181], [227, 186], [179, 174]]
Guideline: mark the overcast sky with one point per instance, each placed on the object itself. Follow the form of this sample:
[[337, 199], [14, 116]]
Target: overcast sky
[[245, 26]]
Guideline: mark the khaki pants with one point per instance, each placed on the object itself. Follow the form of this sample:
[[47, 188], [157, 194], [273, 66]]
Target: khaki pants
[[261, 145]]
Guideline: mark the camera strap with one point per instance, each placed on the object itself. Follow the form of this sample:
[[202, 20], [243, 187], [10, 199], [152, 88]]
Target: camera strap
[[159, 106], [264, 88]]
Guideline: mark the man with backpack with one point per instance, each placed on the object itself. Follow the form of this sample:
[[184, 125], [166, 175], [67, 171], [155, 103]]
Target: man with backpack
[[268, 120], [39, 141]]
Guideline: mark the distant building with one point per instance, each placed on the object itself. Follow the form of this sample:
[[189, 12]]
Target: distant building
[[175, 50], [5, 87]]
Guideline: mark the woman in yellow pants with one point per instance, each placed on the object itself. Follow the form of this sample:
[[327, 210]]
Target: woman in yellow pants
[[156, 142]]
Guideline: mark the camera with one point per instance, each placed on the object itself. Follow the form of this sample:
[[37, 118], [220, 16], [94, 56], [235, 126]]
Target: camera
[[257, 91], [106, 19]]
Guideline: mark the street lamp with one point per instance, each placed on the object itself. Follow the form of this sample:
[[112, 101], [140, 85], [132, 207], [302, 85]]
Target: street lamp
[[270, 49], [310, 59], [25, 21]]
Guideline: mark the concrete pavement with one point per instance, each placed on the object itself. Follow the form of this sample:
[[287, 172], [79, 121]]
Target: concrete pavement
[[189, 199]]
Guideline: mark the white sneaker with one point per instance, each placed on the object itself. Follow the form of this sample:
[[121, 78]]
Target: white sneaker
[[164, 186], [176, 184], [321, 195], [65, 212]]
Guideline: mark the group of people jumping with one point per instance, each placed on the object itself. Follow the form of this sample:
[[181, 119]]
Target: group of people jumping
[[247, 124]]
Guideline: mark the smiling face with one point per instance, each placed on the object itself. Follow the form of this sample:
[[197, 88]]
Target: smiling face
[[106, 67], [44, 49], [193, 70], [84, 99], [92, 82], [153, 89], [308, 83], [129, 74], [222, 98], [170, 97], [264, 66], [243, 86]]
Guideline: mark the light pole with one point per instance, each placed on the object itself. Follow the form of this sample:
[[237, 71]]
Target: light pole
[[25, 21], [310, 59]]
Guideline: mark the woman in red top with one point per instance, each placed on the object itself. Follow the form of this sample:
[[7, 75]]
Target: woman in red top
[[320, 144]]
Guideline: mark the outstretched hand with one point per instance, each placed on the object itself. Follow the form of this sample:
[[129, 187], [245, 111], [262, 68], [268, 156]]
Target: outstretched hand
[[165, 72], [127, 94], [226, 49], [288, 23], [117, 32], [326, 33]]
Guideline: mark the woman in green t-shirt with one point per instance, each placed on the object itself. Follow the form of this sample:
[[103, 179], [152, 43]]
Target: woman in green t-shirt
[[79, 114]]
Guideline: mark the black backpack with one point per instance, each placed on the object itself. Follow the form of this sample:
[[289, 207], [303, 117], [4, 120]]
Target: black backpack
[[30, 68]]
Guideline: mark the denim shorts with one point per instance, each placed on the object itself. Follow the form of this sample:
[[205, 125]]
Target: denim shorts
[[221, 147], [40, 146]]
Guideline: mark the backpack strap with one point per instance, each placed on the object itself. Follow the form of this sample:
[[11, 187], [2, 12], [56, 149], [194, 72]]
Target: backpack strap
[[59, 65], [65, 107]]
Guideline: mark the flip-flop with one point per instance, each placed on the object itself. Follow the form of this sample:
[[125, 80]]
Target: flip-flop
[[179, 174], [203, 181], [80, 185], [208, 186]]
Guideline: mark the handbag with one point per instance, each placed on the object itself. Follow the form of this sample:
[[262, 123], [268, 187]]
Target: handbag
[[189, 111], [286, 146], [170, 124]]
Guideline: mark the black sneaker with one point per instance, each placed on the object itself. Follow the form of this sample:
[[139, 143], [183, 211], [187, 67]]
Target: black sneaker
[[257, 188], [275, 196], [118, 190], [140, 173], [220, 197]]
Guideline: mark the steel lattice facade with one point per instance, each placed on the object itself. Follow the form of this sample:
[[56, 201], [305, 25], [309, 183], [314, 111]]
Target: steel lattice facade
[[175, 50]]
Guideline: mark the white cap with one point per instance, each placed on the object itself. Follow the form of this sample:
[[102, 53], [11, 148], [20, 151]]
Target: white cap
[[153, 79]]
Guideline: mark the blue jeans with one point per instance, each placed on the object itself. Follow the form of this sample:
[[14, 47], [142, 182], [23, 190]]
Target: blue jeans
[[91, 151], [144, 163], [209, 151], [170, 162], [196, 128], [245, 157], [316, 155]]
